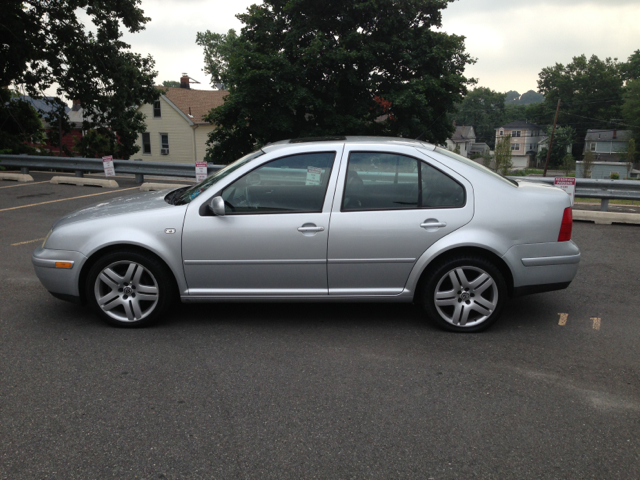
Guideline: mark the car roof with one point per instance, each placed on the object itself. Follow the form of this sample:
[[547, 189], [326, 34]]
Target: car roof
[[348, 140]]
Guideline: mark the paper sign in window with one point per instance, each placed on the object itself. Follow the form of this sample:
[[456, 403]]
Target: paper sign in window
[[313, 175]]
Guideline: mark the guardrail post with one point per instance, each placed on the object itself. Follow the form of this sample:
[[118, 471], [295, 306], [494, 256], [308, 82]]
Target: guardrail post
[[24, 170], [604, 205], [79, 173], [139, 176]]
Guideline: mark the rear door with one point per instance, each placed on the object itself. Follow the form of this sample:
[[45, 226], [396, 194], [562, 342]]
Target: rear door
[[391, 205]]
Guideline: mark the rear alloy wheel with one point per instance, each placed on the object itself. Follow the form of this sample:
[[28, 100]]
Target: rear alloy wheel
[[465, 294], [129, 289]]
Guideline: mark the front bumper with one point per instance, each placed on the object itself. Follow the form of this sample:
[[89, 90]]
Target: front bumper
[[542, 267], [61, 282]]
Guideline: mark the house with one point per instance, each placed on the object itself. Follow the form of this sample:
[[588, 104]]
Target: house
[[607, 145], [603, 170], [525, 138], [462, 139], [176, 129], [53, 132], [479, 149]]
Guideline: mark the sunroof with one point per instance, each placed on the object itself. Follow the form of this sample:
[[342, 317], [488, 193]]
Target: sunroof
[[318, 139]]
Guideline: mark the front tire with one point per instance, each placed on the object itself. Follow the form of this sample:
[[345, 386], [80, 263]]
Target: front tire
[[465, 294], [129, 288]]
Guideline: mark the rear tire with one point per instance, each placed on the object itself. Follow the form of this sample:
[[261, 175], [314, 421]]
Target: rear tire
[[464, 294], [129, 289]]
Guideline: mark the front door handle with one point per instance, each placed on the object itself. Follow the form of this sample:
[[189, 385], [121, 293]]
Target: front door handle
[[310, 228], [433, 223]]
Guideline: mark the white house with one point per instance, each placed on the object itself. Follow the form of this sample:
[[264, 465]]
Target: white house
[[525, 138], [176, 131]]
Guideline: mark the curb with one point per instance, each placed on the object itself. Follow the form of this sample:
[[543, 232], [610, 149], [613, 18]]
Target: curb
[[152, 187], [18, 177], [93, 182], [606, 218]]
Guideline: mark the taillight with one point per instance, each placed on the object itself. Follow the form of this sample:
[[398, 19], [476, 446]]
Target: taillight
[[567, 224]]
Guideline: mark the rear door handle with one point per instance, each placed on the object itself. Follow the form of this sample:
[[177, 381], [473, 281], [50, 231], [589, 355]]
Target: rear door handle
[[433, 224]]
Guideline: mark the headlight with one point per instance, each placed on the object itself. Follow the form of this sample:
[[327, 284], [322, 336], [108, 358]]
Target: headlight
[[46, 238]]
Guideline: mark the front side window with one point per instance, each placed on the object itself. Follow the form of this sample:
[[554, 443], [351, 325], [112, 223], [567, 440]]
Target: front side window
[[164, 140], [593, 147], [515, 146], [156, 109], [516, 133], [146, 143], [384, 181], [293, 184]]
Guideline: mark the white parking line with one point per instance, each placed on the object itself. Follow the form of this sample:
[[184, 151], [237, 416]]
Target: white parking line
[[24, 184], [65, 199], [28, 241]]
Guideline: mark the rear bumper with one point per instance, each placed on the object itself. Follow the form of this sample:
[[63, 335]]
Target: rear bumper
[[542, 267], [61, 282]]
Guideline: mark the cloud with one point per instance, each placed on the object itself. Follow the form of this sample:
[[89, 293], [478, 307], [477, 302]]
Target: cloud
[[514, 42]]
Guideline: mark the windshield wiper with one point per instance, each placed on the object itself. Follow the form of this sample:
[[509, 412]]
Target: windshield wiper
[[171, 196]]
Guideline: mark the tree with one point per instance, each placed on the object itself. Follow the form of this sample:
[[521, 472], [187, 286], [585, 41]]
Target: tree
[[563, 138], [590, 90], [630, 156], [171, 83], [21, 124], [46, 43], [587, 164], [503, 155], [483, 109], [631, 110], [631, 69], [568, 164], [302, 68]]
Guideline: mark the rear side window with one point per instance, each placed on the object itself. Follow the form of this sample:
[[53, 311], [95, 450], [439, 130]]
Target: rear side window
[[293, 184], [384, 181]]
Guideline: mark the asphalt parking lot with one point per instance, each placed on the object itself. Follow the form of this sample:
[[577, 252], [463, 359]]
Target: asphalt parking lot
[[316, 390]]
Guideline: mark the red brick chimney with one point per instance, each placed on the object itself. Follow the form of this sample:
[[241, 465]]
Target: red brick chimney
[[184, 81]]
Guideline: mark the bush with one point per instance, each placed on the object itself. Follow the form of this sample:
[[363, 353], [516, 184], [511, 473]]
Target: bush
[[615, 176]]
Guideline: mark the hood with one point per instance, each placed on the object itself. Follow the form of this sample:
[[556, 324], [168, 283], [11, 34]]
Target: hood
[[138, 202]]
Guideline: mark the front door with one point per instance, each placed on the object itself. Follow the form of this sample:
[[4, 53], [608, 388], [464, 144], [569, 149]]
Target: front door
[[272, 240]]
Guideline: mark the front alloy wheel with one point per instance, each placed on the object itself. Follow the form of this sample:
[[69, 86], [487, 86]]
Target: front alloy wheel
[[130, 288], [126, 291], [465, 294]]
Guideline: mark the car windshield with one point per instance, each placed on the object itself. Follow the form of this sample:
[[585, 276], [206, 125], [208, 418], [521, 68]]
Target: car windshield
[[475, 165], [192, 192]]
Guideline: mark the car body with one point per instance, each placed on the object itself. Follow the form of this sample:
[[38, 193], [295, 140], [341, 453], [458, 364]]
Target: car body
[[334, 219]]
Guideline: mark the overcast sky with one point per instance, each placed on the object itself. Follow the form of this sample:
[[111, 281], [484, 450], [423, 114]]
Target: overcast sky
[[512, 41]]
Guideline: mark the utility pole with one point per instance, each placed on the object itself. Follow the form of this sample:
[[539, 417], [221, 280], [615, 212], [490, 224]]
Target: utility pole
[[553, 130]]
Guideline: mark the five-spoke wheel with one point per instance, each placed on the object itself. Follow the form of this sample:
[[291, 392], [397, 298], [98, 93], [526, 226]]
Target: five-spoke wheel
[[465, 294]]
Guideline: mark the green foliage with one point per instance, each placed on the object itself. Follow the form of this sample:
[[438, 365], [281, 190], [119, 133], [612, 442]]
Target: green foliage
[[587, 164], [503, 155], [484, 109], [630, 155], [302, 68], [171, 83], [631, 69], [457, 149], [562, 139], [615, 176], [21, 125], [631, 113], [54, 46], [94, 144], [486, 159], [514, 98], [568, 164], [590, 90]]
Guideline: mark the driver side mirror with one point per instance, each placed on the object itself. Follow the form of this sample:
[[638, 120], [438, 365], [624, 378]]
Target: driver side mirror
[[217, 206]]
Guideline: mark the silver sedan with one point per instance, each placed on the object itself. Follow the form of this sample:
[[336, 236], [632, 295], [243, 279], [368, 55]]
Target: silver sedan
[[336, 219]]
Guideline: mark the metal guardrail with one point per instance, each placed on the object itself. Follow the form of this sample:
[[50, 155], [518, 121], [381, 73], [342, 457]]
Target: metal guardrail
[[605, 190], [80, 165]]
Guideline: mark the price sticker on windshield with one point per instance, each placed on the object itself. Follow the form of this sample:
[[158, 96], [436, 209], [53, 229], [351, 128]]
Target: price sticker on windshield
[[201, 171], [313, 175], [568, 184], [107, 164]]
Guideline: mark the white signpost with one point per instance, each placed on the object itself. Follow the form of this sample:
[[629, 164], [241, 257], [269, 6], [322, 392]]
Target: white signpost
[[107, 164], [201, 171], [568, 184]]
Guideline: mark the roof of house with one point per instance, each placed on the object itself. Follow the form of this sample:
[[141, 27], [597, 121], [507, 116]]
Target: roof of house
[[608, 135], [522, 124], [41, 104], [463, 133], [195, 104]]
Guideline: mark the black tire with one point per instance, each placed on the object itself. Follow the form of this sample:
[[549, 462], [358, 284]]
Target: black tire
[[471, 292], [128, 288]]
